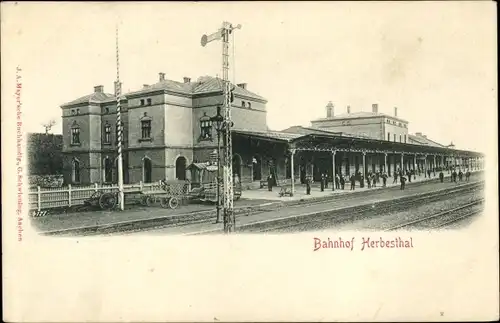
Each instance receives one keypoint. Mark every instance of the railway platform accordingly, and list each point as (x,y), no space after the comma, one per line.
(335,203)
(253,203)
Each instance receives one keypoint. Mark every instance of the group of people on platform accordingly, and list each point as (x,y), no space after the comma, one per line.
(373,179)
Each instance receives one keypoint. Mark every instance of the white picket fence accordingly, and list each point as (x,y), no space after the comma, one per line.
(46,198)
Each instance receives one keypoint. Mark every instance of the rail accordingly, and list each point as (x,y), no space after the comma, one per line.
(440,215)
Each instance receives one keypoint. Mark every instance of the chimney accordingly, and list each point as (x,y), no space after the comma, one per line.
(98,89)
(243,86)
(162,77)
(187,79)
(375,107)
(348,109)
(395,111)
(118,86)
(329,109)
(145,86)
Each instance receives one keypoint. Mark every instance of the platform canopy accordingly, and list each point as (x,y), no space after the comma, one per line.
(327,142)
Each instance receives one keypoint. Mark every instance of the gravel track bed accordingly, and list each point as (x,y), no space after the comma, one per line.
(381,218)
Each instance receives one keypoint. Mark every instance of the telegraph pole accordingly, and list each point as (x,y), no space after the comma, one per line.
(118,91)
(223,33)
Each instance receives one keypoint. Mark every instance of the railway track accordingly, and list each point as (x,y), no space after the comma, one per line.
(203,217)
(444,218)
(310,222)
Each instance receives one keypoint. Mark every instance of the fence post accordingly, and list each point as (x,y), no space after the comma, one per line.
(141,186)
(69,195)
(39,198)
(96,187)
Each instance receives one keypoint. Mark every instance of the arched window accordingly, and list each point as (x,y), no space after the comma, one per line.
(249,105)
(237,165)
(147,170)
(107,133)
(180,168)
(108,170)
(75,174)
(243,104)
(75,134)
(205,127)
(257,168)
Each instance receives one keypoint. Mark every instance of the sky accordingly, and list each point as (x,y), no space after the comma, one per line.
(435,61)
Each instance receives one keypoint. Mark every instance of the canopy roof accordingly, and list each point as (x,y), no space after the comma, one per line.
(340,142)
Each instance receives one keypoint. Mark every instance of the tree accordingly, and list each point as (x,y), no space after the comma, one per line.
(45,154)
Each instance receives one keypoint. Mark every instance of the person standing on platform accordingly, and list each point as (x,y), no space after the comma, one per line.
(353,182)
(374,180)
(460,175)
(270,182)
(342,181)
(369,181)
(337,181)
(361,181)
(403,180)
(408,174)
(441,176)
(429,173)
(395,181)
(467,175)
(308,186)
(322,182)
(454,176)
(384,179)
(326,181)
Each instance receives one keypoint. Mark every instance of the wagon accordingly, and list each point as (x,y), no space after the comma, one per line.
(103,200)
(204,183)
(163,194)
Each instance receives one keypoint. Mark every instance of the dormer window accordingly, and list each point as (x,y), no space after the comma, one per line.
(149,101)
(142,101)
(242,104)
(107,110)
(205,127)
(249,105)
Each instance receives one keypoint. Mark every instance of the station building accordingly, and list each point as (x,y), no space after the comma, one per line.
(167,134)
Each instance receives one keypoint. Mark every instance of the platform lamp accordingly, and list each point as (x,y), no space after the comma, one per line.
(218,122)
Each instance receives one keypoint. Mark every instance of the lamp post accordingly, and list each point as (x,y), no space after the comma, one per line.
(218,122)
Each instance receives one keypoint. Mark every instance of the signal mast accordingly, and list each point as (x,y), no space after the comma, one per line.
(118,91)
(228,194)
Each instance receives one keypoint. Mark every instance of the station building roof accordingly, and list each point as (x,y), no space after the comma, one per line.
(96,97)
(424,141)
(359,115)
(204,85)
